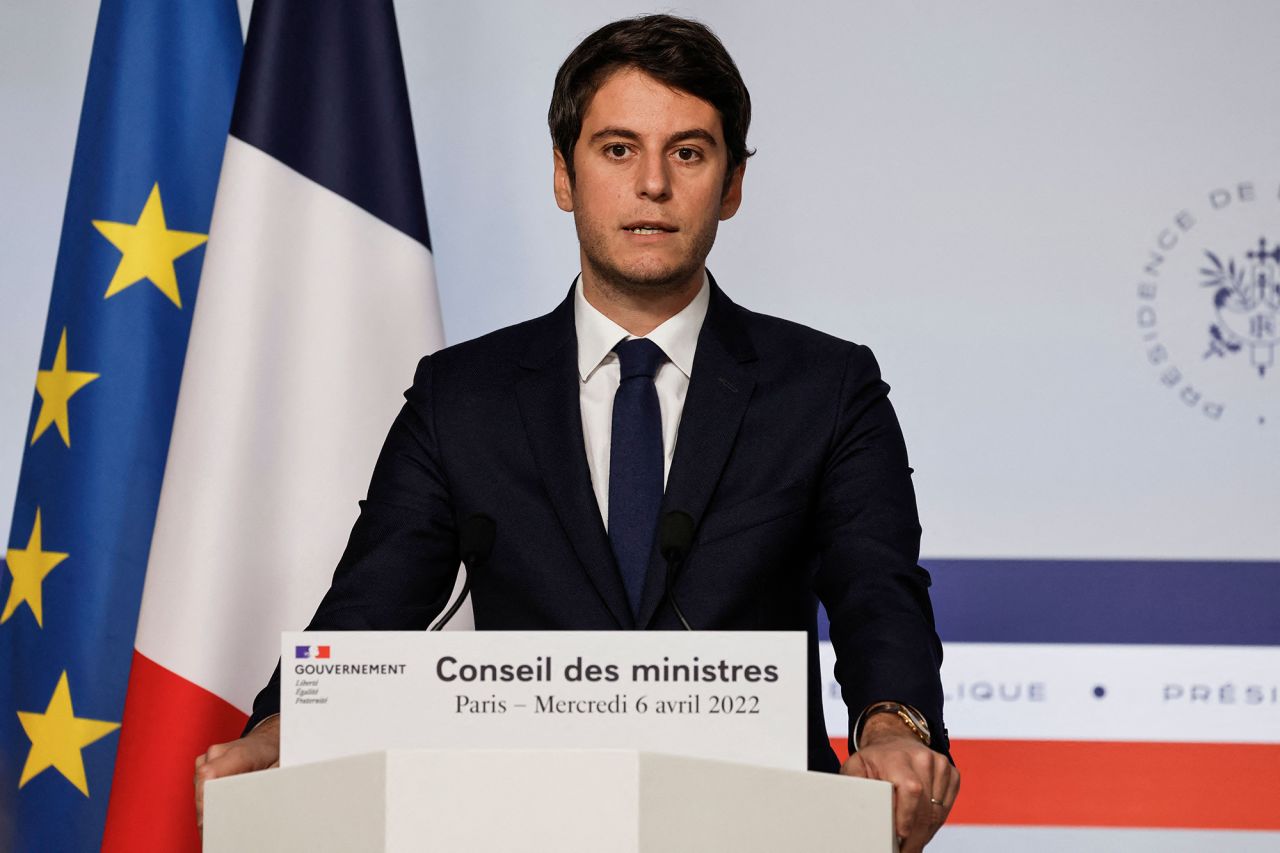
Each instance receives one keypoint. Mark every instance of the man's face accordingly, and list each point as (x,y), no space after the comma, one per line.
(649,187)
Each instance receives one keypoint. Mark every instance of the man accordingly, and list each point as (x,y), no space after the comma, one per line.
(647,391)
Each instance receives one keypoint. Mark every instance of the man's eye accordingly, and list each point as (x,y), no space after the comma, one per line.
(617,151)
(686,154)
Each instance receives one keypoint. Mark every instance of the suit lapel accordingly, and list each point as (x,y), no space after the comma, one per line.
(719,391)
(549,406)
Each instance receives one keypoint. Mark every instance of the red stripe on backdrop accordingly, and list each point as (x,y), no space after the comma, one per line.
(1107,783)
(168,721)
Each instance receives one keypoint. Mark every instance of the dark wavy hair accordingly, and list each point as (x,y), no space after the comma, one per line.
(682,53)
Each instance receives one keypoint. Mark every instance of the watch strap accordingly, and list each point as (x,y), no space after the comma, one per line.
(912,718)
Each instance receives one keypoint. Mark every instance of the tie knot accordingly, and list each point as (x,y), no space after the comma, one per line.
(639,357)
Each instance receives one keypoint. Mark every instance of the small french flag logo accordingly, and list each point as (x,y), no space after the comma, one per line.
(310,652)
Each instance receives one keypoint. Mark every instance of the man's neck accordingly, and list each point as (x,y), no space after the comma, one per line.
(639,313)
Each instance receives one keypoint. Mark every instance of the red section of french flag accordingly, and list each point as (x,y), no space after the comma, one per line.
(322,651)
(1113,783)
(168,721)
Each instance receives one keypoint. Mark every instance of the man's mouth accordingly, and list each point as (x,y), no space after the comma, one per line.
(649,228)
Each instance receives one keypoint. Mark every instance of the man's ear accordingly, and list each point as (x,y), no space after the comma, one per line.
(732,198)
(561,183)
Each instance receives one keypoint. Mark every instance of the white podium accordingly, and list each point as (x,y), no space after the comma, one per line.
(566,801)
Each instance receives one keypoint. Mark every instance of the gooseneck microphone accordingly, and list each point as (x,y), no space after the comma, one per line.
(675,538)
(475,542)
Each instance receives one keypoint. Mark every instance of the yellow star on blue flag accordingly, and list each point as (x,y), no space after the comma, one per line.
(58,735)
(148,249)
(28,568)
(56,386)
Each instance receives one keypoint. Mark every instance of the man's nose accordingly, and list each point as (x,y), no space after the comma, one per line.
(653,180)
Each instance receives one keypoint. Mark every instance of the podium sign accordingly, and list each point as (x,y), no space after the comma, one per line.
(730,695)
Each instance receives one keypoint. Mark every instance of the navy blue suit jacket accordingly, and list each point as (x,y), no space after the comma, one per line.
(789,458)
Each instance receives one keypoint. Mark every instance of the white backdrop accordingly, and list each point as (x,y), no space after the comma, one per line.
(971,189)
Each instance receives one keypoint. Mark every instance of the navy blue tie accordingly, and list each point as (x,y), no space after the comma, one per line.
(635,463)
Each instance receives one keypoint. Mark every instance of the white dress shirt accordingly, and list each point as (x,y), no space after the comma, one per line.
(598,375)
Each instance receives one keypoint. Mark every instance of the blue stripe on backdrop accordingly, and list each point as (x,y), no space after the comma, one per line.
(361,88)
(1163,602)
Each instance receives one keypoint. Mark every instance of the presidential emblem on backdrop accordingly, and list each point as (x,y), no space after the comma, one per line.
(1246,299)
(1208,312)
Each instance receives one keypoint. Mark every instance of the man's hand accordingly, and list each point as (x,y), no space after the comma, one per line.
(258,750)
(925,784)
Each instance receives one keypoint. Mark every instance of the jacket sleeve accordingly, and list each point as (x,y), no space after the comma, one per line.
(401,559)
(875,593)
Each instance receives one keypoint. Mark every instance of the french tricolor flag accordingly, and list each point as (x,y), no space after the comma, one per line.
(319,652)
(316,302)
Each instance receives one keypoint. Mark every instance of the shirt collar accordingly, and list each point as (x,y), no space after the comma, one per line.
(677,336)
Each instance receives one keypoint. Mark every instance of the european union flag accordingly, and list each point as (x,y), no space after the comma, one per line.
(157,106)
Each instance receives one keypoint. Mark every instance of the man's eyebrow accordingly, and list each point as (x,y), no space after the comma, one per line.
(692,133)
(605,132)
(623,133)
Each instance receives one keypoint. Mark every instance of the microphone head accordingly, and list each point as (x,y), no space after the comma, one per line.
(675,535)
(475,538)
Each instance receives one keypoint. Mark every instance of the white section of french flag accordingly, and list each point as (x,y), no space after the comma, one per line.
(311,318)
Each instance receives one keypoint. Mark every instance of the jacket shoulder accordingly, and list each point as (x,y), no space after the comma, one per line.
(779,340)
(494,356)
